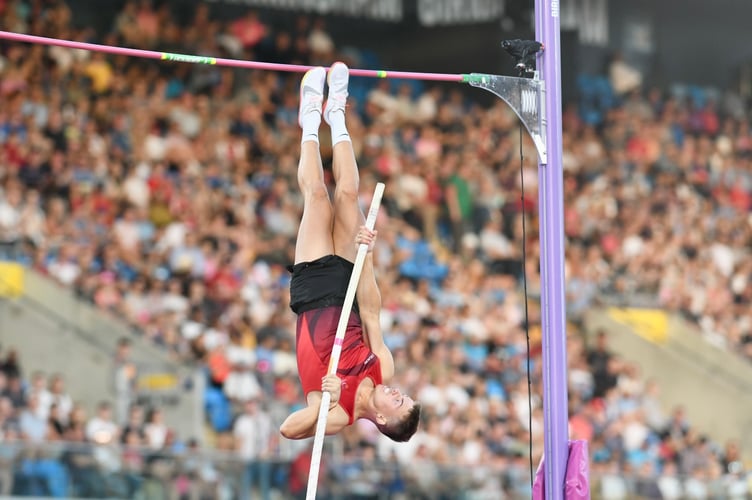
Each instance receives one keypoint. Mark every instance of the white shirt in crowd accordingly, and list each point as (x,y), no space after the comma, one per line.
(65,272)
(47,399)
(156,435)
(241,385)
(670,487)
(253,433)
(10,219)
(191,329)
(101,431)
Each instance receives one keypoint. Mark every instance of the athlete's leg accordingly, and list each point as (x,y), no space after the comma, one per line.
(315,231)
(348,216)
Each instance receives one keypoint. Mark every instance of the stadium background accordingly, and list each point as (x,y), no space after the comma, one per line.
(665,404)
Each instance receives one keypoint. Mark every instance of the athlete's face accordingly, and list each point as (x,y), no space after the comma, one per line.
(391,403)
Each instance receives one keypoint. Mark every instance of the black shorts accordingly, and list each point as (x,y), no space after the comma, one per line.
(320,283)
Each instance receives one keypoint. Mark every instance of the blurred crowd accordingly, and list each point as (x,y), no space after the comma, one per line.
(166,194)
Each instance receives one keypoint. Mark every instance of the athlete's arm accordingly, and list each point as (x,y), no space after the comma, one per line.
(302,423)
(369,304)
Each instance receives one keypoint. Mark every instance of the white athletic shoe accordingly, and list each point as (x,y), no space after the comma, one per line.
(311,92)
(337,79)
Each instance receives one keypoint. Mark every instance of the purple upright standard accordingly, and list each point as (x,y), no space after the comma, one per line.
(553,312)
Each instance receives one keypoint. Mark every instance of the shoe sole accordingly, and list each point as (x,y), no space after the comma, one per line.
(328,84)
(302,86)
(329,73)
(303,82)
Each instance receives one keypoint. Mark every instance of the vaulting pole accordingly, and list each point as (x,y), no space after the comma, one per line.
(352,288)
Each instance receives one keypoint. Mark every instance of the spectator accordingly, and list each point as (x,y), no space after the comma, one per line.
(101,429)
(59,397)
(132,461)
(624,77)
(39,390)
(599,358)
(76,428)
(695,486)
(241,383)
(55,427)
(125,378)
(80,461)
(134,426)
(8,417)
(10,220)
(299,472)
(32,426)
(249,30)
(7,456)
(10,365)
(15,392)
(669,484)
(254,436)
(202,471)
(155,430)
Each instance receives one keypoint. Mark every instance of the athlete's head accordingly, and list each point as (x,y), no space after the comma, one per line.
(397,415)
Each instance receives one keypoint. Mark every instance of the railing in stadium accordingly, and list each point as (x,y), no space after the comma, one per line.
(82,470)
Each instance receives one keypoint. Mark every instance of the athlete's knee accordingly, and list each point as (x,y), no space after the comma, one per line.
(347,193)
(314,191)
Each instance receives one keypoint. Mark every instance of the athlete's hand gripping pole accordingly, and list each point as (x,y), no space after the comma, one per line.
(352,287)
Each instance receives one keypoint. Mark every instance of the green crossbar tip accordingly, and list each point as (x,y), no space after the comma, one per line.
(474,78)
(167,56)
